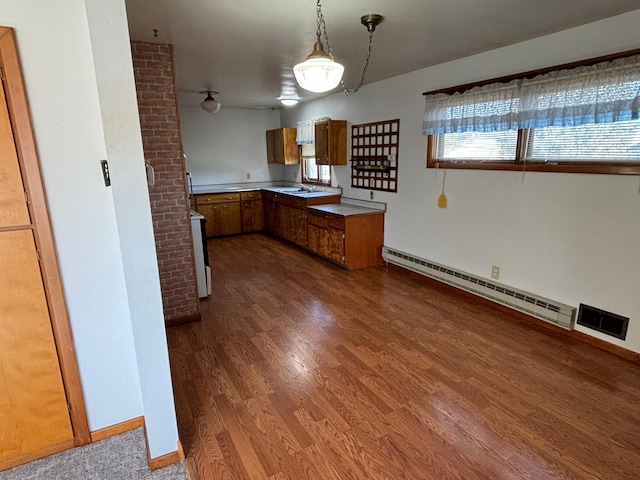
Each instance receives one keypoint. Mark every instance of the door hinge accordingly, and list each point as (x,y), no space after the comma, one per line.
(1,72)
(343,259)
(38,254)
(343,236)
(69,407)
(26,197)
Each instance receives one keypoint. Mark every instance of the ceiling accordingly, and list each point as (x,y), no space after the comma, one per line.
(245,49)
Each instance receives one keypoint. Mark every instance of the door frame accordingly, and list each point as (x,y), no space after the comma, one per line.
(30,167)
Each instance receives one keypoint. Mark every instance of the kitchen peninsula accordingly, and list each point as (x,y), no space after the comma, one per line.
(345,231)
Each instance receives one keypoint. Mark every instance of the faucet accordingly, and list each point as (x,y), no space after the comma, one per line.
(307,188)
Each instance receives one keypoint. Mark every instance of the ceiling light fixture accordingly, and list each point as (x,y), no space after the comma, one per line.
(288,102)
(320,73)
(210,104)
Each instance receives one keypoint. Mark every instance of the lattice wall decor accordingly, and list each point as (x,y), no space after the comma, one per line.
(374,155)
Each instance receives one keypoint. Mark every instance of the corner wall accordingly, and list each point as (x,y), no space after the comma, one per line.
(116,88)
(162,143)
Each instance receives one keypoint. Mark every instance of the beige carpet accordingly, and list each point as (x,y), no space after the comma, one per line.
(123,457)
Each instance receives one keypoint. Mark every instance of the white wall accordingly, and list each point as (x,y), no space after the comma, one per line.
(573,238)
(116,88)
(223,147)
(93,231)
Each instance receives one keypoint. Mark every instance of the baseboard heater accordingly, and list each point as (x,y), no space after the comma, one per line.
(529,303)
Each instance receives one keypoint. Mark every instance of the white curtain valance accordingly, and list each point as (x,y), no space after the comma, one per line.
(487,108)
(305,132)
(601,93)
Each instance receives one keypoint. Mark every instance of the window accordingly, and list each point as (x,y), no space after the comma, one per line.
(311,172)
(477,146)
(584,119)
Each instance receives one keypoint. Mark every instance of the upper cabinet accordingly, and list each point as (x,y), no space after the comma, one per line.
(282,147)
(331,142)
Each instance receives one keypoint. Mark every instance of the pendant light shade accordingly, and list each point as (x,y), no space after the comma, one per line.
(319,73)
(210,104)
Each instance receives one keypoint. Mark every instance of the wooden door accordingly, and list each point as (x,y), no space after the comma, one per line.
(34,415)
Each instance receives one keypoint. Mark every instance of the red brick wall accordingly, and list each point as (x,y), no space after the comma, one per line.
(162,142)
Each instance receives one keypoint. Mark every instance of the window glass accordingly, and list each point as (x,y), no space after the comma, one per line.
(616,142)
(479,146)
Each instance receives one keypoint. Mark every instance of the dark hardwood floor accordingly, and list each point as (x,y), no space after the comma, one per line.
(302,370)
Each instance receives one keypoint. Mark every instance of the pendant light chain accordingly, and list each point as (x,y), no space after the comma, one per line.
(351,91)
(322,24)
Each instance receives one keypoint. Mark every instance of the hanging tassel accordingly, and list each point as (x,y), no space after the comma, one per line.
(442,199)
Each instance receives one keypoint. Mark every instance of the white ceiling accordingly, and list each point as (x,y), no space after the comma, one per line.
(246,49)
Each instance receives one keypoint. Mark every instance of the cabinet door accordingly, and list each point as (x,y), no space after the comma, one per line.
(318,240)
(271,146)
(252,216)
(331,142)
(209,212)
(291,152)
(278,142)
(230,218)
(270,216)
(300,227)
(336,245)
(285,222)
(322,143)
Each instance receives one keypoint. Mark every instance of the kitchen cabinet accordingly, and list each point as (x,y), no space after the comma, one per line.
(222,212)
(286,215)
(354,241)
(252,211)
(270,206)
(331,142)
(282,147)
(292,218)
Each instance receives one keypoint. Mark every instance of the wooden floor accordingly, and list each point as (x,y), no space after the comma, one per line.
(302,370)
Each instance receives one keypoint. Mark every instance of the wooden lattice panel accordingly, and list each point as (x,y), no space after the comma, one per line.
(374,155)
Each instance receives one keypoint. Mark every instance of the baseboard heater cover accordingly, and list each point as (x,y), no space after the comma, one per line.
(539,307)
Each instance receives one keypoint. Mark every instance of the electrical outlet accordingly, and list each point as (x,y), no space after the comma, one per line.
(371,195)
(495,272)
(248,175)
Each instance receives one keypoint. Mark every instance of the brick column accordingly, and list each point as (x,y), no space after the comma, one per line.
(162,142)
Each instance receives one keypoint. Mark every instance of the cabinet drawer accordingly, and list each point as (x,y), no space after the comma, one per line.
(326,220)
(251,195)
(336,222)
(217,198)
(318,220)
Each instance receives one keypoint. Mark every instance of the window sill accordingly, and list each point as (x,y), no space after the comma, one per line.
(613,169)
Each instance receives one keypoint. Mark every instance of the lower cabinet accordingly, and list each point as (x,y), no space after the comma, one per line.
(353,241)
(222,212)
(252,212)
(270,209)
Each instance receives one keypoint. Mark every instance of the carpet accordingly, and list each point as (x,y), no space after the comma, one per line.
(122,457)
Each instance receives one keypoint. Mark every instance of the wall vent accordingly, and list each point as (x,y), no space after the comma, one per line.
(531,304)
(605,322)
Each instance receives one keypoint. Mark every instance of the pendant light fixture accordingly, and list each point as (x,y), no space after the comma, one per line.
(210,104)
(320,73)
